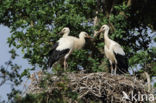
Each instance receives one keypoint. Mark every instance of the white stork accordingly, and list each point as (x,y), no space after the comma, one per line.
(77,43)
(64,47)
(114,52)
(65,31)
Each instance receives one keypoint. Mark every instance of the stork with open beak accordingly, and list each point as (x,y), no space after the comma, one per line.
(114,52)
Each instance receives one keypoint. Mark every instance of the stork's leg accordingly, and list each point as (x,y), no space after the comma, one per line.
(65,64)
(65,59)
(111,67)
(115,69)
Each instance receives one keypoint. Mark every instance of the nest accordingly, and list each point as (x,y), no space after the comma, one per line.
(91,86)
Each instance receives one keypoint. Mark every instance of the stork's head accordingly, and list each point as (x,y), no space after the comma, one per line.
(84,35)
(65,30)
(102,29)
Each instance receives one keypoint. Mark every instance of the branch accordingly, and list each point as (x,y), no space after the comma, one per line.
(129,3)
(96,85)
(148,81)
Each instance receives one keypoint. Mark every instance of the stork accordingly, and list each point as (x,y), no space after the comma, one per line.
(77,43)
(114,52)
(64,47)
(65,31)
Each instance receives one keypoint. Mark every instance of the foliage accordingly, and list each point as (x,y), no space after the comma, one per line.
(34,26)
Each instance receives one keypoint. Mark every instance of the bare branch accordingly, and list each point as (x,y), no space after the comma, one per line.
(95,84)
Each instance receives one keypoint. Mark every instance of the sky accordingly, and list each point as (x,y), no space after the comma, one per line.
(5,56)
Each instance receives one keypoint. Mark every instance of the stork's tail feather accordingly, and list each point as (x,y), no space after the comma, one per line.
(56,55)
(122,64)
(50,62)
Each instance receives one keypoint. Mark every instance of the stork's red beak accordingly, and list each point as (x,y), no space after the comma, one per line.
(60,33)
(97,32)
(89,37)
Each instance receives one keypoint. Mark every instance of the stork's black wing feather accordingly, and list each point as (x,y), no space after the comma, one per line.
(122,63)
(55,55)
(53,48)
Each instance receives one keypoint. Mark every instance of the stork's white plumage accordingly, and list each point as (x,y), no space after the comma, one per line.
(78,42)
(61,49)
(64,47)
(114,53)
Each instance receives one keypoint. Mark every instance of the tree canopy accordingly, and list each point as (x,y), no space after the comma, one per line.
(35,24)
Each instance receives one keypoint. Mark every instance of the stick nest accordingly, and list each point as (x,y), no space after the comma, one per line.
(91,86)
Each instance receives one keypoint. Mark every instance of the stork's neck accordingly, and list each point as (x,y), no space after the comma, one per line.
(81,42)
(65,34)
(106,34)
(106,38)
